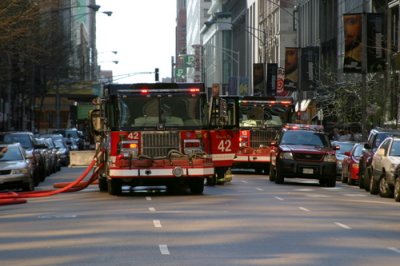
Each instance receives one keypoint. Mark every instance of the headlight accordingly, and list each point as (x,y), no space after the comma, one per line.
(286,155)
(19,171)
(330,158)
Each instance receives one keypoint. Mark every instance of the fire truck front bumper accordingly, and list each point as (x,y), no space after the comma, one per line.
(165,172)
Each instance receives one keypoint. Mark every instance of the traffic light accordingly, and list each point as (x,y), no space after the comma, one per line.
(156,74)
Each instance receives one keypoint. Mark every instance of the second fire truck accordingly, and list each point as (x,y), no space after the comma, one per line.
(261,119)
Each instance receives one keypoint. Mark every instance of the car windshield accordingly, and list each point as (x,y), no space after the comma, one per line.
(311,138)
(21,138)
(11,154)
(358,151)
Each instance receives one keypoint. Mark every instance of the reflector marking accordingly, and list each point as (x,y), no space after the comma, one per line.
(157,223)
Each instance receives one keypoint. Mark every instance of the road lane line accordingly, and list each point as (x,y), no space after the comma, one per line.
(152,209)
(394,249)
(259,189)
(148,198)
(342,225)
(157,223)
(244,181)
(278,198)
(304,209)
(164,249)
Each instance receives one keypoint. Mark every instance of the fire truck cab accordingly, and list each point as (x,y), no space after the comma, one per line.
(260,120)
(158,134)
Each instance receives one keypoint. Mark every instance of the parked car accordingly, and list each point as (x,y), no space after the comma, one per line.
(344,146)
(375,138)
(350,164)
(62,148)
(303,151)
(45,156)
(74,138)
(16,168)
(27,141)
(383,165)
(53,152)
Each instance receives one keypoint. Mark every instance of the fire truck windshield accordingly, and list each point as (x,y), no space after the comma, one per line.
(161,111)
(262,114)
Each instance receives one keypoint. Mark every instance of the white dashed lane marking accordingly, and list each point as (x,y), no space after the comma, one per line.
(278,198)
(148,198)
(394,249)
(151,209)
(304,209)
(157,223)
(164,249)
(342,225)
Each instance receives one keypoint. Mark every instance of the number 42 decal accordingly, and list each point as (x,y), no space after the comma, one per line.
(225,145)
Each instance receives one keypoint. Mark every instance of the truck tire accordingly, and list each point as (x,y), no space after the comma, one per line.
(196,186)
(103,186)
(114,187)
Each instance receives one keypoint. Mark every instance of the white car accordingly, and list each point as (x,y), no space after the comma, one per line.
(16,170)
(384,163)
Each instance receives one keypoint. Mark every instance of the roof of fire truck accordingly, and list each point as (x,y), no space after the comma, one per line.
(154,87)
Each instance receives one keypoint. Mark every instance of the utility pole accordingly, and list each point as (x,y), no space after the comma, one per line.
(364,73)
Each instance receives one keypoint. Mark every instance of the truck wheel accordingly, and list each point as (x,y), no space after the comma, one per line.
(397,189)
(196,186)
(114,187)
(103,186)
(331,181)
(212,180)
(220,175)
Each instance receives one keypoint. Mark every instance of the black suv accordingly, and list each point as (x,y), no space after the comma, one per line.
(303,151)
(375,137)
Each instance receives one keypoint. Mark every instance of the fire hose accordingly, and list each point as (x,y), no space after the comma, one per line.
(8,198)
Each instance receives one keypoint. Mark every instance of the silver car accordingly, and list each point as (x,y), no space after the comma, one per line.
(16,170)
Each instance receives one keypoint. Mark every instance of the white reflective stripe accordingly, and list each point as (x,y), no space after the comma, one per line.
(224,156)
(259,158)
(200,171)
(124,172)
(151,172)
(241,159)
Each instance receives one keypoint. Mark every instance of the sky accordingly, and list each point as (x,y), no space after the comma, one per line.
(143,34)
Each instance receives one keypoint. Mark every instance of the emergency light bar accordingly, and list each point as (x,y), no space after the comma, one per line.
(147,91)
(291,126)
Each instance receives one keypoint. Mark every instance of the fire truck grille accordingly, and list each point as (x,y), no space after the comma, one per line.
(262,137)
(159,143)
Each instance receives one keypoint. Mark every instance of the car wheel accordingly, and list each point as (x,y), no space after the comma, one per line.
(397,189)
(385,191)
(373,186)
(29,186)
(272,174)
(103,186)
(343,178)
(279,179)
(367,179)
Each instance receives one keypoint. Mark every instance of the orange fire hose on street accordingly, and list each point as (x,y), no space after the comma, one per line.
(8,198)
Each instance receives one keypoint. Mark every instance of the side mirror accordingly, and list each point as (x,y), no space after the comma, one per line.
(96,122)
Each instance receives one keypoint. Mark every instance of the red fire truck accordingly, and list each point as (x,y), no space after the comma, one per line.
(261,118)
(163,134)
